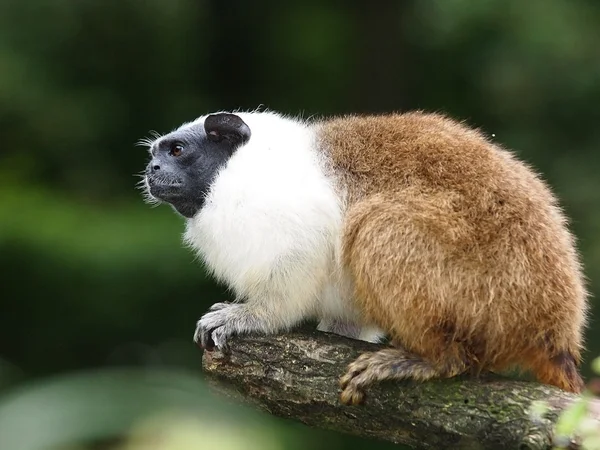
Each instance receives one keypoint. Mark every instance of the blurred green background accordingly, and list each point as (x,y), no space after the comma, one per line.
(94,280)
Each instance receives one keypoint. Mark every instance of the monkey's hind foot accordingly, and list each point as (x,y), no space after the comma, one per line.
(387,364)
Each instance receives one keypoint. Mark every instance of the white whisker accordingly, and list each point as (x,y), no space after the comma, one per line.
(149,141)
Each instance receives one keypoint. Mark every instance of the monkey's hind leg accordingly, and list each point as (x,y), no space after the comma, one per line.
(392,364)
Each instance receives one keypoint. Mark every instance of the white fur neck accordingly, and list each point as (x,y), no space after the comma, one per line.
(271,226)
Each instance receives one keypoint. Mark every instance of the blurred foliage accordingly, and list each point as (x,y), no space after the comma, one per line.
(577,423)
(93,278)
(110,407)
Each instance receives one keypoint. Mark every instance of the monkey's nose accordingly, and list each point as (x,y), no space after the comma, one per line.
(153,167)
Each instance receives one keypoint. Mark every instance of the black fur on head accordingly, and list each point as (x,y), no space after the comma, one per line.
(185,162)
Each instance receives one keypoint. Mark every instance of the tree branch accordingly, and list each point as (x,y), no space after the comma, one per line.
(296,376)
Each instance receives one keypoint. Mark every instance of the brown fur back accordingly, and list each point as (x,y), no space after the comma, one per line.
(457,249)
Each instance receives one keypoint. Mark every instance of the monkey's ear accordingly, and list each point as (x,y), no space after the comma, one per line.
(224,126)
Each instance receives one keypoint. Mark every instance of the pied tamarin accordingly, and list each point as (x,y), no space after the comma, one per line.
(412,226)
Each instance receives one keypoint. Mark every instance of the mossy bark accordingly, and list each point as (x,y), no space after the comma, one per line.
(296,376)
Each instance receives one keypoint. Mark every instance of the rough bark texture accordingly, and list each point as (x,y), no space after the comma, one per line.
(296,376)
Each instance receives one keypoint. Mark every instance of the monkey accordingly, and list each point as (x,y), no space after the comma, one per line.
(410,225)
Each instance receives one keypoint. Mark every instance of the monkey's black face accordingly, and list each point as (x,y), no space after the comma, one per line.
(185,162)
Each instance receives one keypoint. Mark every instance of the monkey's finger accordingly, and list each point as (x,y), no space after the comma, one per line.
(354,369)
(352,395)
(206,340)
(219,338)
(197,334)
(219,306)
(202,337)
(209,344)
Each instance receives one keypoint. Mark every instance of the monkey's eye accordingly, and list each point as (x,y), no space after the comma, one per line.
(176,150)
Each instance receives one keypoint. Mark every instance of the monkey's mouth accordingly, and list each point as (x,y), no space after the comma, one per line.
(164,188)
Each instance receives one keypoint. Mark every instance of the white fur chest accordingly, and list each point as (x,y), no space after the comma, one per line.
(271,225)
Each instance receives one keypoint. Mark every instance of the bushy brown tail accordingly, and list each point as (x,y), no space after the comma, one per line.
(560,371)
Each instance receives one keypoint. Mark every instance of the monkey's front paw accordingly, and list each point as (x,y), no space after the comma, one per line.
(213,329)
